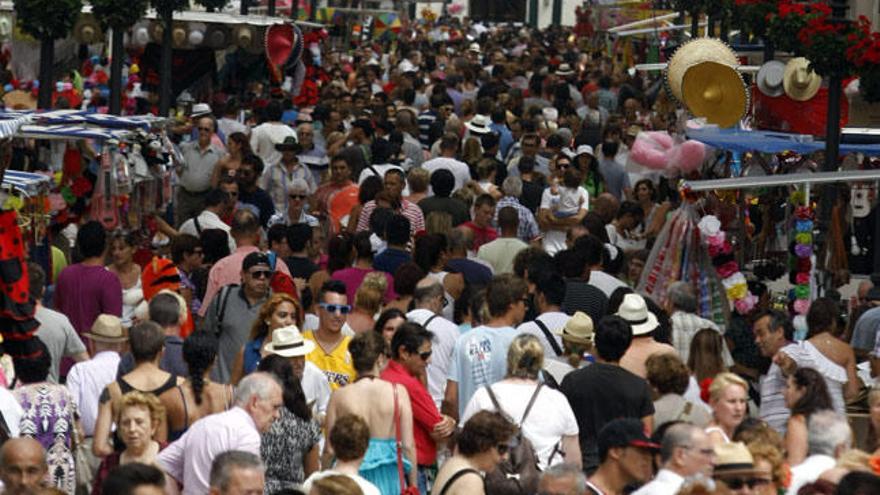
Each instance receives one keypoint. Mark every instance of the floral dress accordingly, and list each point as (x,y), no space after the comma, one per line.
(49,418)
(284,448)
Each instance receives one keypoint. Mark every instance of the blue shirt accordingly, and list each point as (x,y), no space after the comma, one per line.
(616,178)
(251,355)
(865,330)
(390,259)
(479,359)
(506,137)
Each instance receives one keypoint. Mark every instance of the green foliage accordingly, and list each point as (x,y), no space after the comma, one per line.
(47,19)
(213,4)
(164,6)
(119,14)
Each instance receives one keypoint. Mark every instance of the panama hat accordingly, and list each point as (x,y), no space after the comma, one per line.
(479,125)
(733,458)
(634,310)
(107,328)
(289,342)
(800,83)
(769,78)
(86,30)
(247,39)
(578,329)
(694,52)
(715,91)
(564,70)
(178,36)
(200,109)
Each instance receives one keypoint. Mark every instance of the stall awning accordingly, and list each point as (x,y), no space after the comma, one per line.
(27,182)
(770,142)
(79,117)
(72,132)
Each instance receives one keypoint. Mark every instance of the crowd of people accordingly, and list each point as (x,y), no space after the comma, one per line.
(426,282)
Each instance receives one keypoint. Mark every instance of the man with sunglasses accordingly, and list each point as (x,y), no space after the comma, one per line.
(280,176)
(735,469)
(199,159)
(331,349)
(685,451)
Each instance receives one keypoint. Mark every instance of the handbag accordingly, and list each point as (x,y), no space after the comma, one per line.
(404,490)
(82,466)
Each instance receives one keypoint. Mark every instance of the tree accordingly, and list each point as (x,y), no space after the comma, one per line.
(118,15)
(47,21)
(166,9)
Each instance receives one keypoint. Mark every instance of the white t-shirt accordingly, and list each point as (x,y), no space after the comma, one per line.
(315,388)
(550,419)
(572,199)
(366,487)
(459,170)
(554,240)
(554,320)
(382,169)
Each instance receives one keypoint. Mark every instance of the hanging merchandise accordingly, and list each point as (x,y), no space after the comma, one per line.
(802,251)
(720,250)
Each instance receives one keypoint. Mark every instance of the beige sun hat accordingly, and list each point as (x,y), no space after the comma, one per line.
(692,53)
(289,342)
(715,91)
(578,329)
(800,83)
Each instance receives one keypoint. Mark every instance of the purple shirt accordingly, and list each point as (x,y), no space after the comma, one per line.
(83,292)
(353,278)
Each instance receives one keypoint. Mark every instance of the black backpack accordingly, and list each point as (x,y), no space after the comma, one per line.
(519,473)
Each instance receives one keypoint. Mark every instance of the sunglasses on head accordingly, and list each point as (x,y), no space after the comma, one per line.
(738,483)
(332,308)
(258,274)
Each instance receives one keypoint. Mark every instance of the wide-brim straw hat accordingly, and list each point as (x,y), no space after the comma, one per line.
(694,52)
(19,100)
(107,328)
(87,31)
(289,342)
(769,78)
(734,459)
(800,83)
(715,91)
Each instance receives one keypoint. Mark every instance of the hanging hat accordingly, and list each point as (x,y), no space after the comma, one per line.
(769,78)
(107,328)
(694,52)
(280,39)
(479,125)
(578,329)
(196,35)
(289,342)
(140,35)
(217,36)
(715,91)
(800,83)
(19,100)
(86,30)
(564,70)
(178,36)
(156,31)
(5,27)
(247,39)
(634,310)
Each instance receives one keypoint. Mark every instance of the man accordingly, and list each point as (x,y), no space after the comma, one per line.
(397,235)
(476,272)
(533,185)
(735,470)
(773,332)
(218,204)
(168,310)
(299,239)
(411,352)
(24,468)
(606,206)
(580,295)
(865,330)
(500,252)
(246,233)
(394,183)
(55,329)
(563,479)
(236,472)
(433,120)
(407,124)
(500,129)
(194,176)
(479,357)
(684,452)
(512,188)
(231,314)
(449,146)
(616,178)
(272,131)
(257,403)
(604,390)
(331,349)
(442,184)
(634,310)
(629,216)
(249,193)
(531,144)
(278,177)
(428,300)
(548,326)
(681,303)
(828,437)
(229,123)
(289,343)
(593,249)
(276,238)
(86,380)
(311,154)
(360,135)
(481,225)
(86,289)
(380,153)
(188,256)
(135,478)
(625,455)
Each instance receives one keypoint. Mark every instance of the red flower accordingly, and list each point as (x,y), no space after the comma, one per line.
(704,389)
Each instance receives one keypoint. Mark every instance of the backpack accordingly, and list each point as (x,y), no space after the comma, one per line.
(518,474)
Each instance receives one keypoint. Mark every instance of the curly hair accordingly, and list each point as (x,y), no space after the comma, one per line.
(260,329)
(773,455)
(140,399)
(483,431)
(349,437)
(199,353)
(667,374)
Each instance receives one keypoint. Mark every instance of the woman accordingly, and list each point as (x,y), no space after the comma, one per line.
(472,152)
(704,360)
(198,396)
(727,397)
(668,376)
(290,447)
(486,170)
(139,416)
(550,424)
(349,438)
(49,416)
(280,310)
(481,445)
(146,340)
(584,160)
(805,393)
(654,213)
(335,484)
(238,146)
(431,255)
(438,222)
(122,249)
(354,275)
(370,187)
(405,279)
(367,302)
(770,463)
(387,324)
(382,405)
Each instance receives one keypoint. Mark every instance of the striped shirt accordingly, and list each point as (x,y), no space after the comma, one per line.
(426,120)
(410,210)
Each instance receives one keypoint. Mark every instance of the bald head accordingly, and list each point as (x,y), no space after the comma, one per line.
(24,465)
(429,295)
(606,206)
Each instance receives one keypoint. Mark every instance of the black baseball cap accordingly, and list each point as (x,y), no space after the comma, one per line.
(255,259)
(624,432)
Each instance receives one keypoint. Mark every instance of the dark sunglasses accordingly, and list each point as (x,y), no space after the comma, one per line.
(332,308)
(206,129)
(258,274)
(425,355)
(738,483)
(296,196)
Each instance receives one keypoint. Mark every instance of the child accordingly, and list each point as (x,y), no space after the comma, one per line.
(568,197)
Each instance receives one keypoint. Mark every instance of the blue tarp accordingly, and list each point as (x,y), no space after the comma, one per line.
(770,142)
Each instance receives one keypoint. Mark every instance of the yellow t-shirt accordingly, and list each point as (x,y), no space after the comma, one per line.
(337,365)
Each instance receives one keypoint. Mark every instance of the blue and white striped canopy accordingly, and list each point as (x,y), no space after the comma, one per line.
(28,182)
(72,132)
(73,117)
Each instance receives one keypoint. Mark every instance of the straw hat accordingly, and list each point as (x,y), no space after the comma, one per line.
(634,310)
(156,31)
(800,83)
(733,458)
(564,70)
(247,39)
(715,91)
(769,78)
(289,342)
(694,52)
(107,328)
(86,30)
(578,329)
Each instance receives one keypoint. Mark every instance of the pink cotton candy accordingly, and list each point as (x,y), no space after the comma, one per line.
(650,150)
(687,156)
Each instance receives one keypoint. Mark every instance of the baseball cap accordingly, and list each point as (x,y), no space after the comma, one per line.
(255,259)
(624,432)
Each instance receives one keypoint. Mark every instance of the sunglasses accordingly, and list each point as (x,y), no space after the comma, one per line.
(258,274)
(332,308)
(206,129)
(738,483)
(296,196)
(425,355)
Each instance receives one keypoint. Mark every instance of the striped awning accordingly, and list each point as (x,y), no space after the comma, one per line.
(28,182)
(36,131)
(73,117)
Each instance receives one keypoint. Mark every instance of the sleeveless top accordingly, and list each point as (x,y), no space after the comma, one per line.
(125,387)
(175,434)
(449,301)
(834,374)
(718,429)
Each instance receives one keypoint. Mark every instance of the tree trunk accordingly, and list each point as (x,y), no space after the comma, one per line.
(47,79)
(165,70)
(117,50)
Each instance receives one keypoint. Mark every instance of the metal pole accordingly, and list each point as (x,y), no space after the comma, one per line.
(695,23)
(271,10)
(116,71)
(245,6)
(47,83)
(165,66)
